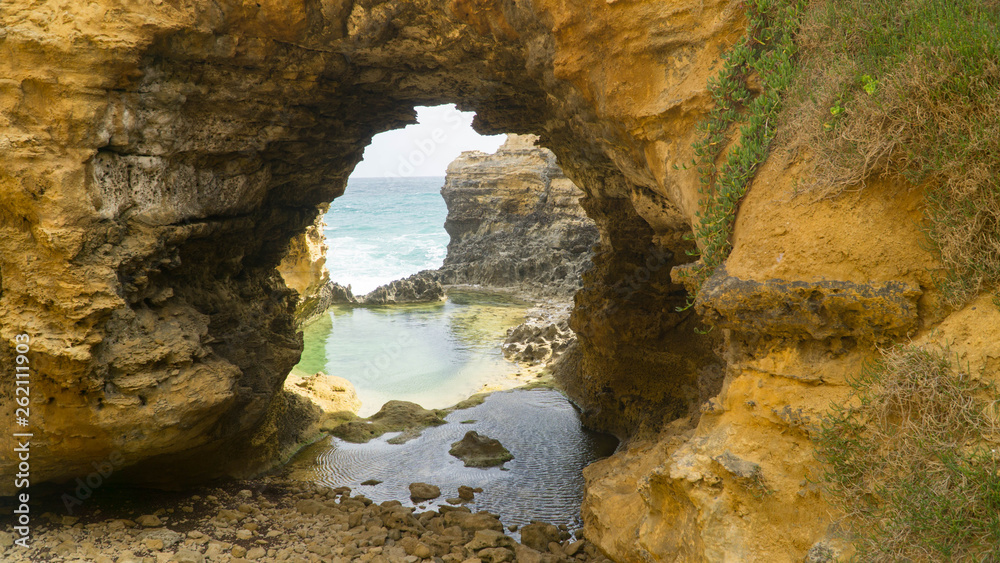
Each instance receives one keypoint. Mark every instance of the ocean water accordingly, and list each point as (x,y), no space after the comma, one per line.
(435,355)
(384,229)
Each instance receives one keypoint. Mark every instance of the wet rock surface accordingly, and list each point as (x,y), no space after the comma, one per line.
(543,481)
(394,416)
(414,289)
(480,451)
(538,341)
(424,491)
(273,519)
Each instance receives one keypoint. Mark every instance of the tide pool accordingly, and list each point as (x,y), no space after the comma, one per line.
(435,355)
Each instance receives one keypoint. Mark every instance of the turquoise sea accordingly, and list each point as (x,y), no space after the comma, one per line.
(384,229)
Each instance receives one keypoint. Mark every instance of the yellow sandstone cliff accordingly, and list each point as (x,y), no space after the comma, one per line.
(157,158)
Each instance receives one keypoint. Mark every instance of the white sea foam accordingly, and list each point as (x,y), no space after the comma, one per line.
(385,229)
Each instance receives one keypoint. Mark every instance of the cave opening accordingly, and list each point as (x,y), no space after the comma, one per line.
(515,232)
(385,240)
(159,158)
(389,224)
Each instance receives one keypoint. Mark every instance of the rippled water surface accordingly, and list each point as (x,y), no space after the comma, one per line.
(544,481)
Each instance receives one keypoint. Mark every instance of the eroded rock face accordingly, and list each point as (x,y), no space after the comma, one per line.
(158,158)
(515,221)
(156,165)
(414,289)
(537,342)
(304,269)
(330,393)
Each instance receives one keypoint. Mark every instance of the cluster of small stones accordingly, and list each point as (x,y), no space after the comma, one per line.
(301,523)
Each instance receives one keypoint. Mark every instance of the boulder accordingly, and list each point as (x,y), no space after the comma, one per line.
(467,493)
(418,288)
(480,451)
(394,416)
(538,536)
(423,491)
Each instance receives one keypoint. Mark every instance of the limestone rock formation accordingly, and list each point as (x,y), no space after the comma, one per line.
(538,341)
(480,451)
(330,393)
(394,416)
(158,158)
(334,294)
(538,535)
(417,288)
(515,221)
(303,267)
(423,491)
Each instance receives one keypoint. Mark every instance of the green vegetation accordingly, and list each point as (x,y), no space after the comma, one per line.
(909,89)
(898,89)
(744,120)
(912,460)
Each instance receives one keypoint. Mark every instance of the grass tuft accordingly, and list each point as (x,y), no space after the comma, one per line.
(909,89)
(913,460)
(742,123)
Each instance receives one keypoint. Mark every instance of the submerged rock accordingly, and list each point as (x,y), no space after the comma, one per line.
(394,416)
(468,493)
(480,451)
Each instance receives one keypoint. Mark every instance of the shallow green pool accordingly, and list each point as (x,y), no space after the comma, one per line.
(434,355)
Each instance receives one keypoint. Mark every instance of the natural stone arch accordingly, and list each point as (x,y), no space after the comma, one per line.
(161,157)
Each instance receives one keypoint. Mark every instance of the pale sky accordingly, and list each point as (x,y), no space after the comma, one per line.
(427,148)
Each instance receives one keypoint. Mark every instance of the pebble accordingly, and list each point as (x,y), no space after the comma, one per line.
(149,521)
(467,493)
(303,524)
(424,491)
(187,556)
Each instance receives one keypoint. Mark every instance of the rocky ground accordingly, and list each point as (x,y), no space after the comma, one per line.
(275,519)
(542,337)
